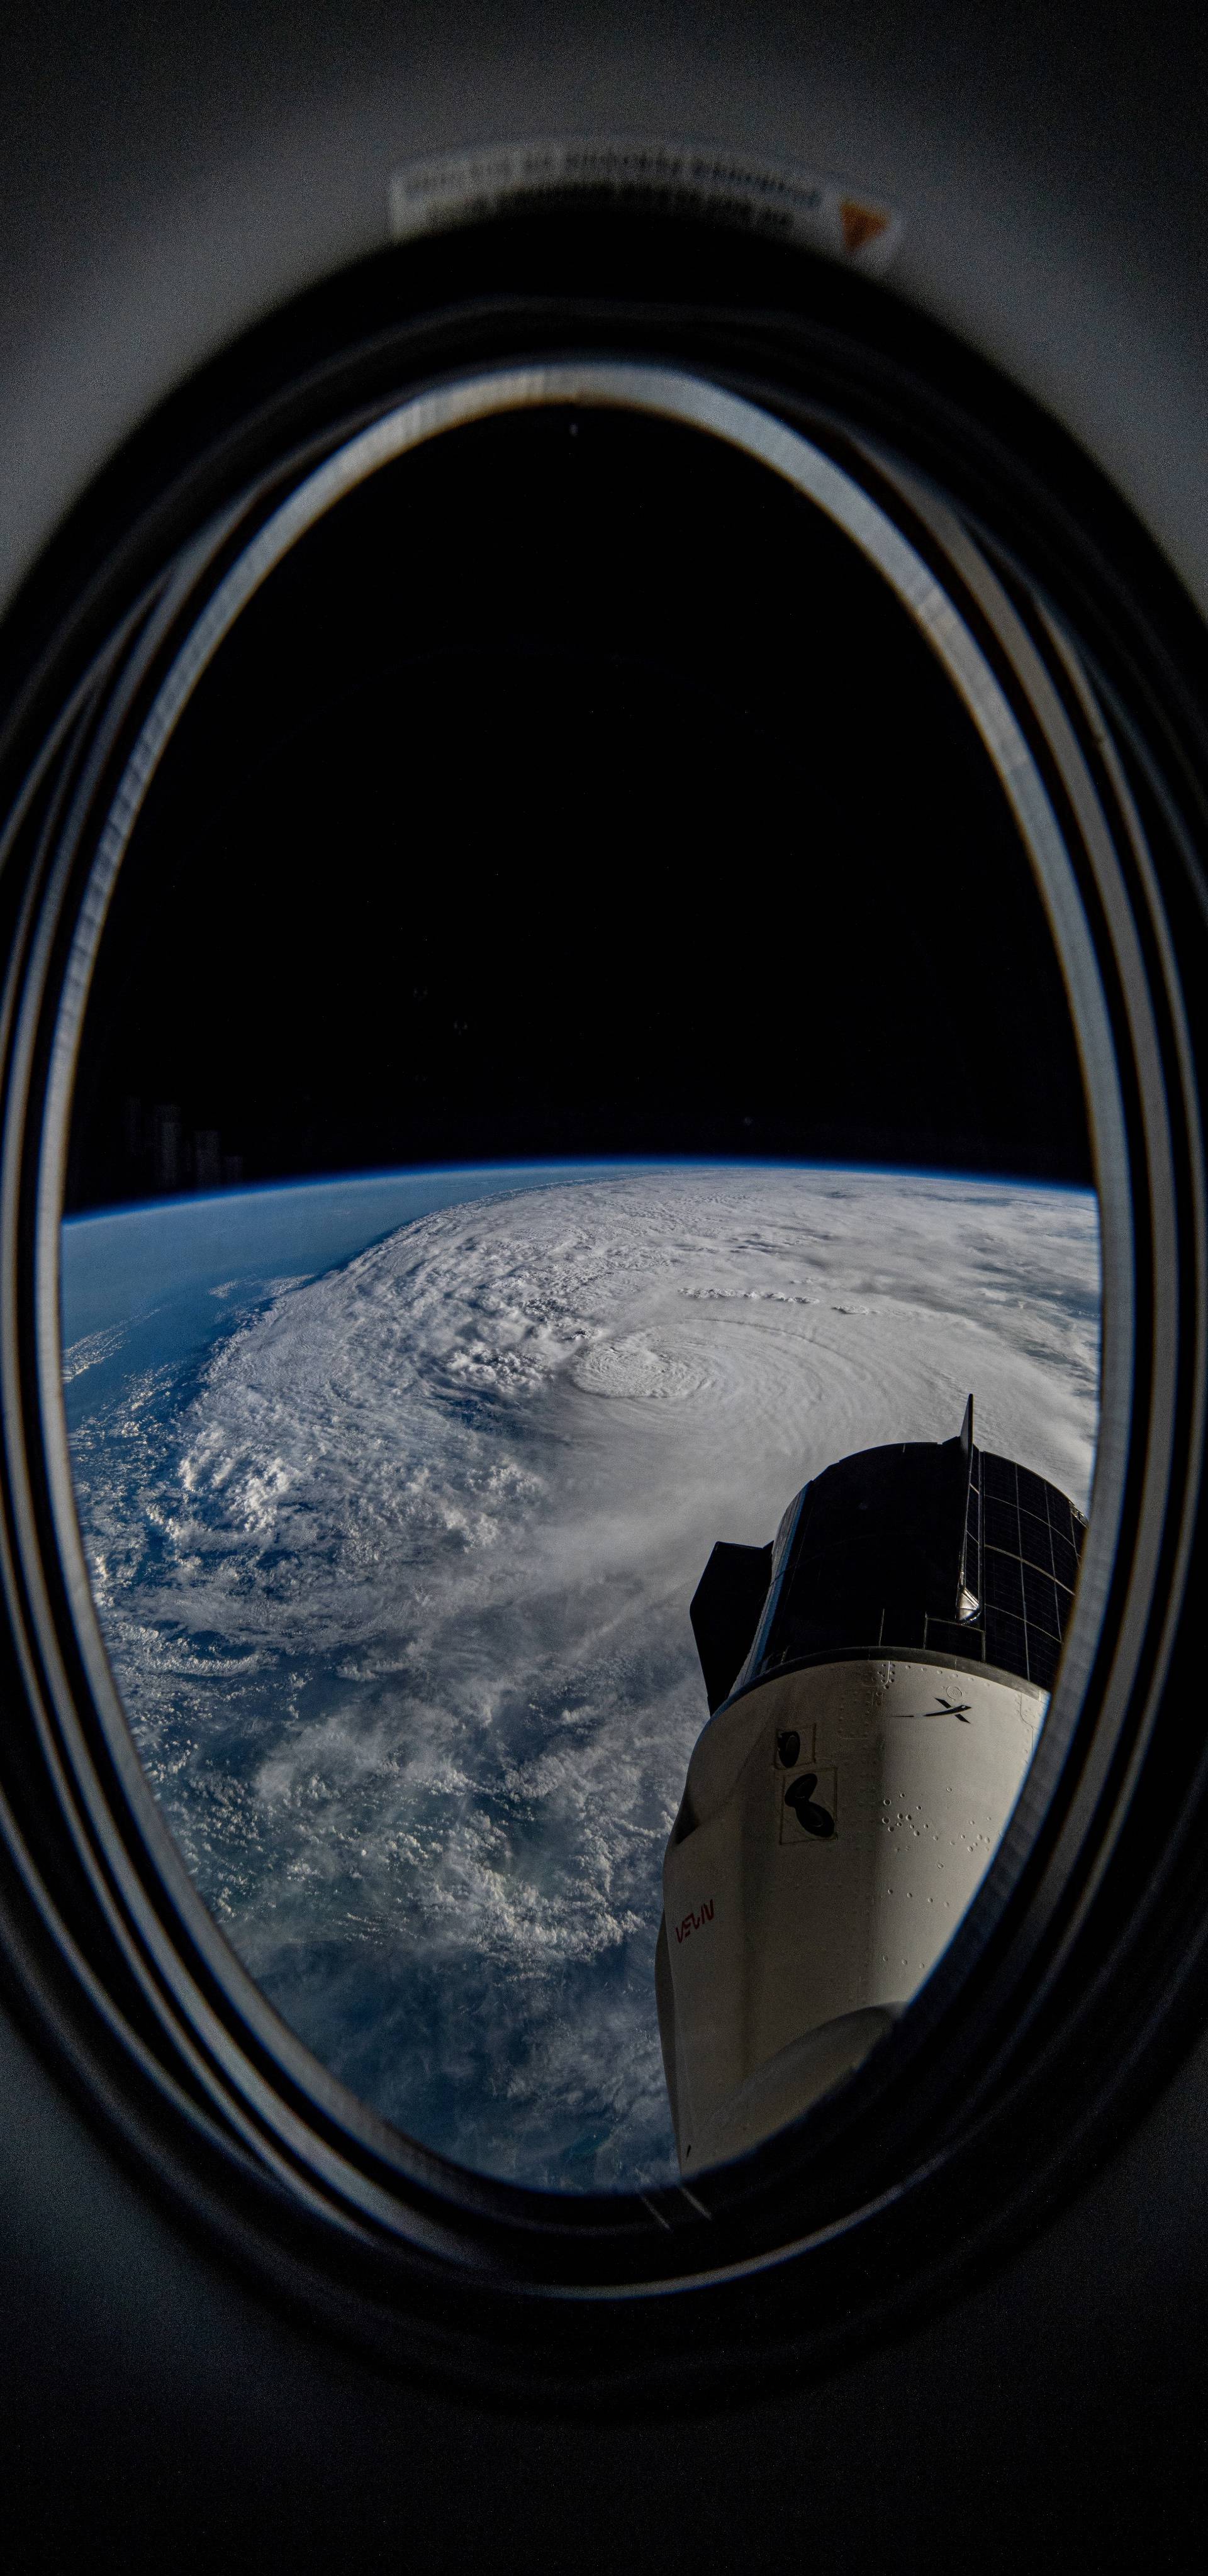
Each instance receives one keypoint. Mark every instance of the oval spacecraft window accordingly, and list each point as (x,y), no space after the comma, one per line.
(580,1266)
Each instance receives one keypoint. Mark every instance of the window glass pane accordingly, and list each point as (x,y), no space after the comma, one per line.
(575,1052)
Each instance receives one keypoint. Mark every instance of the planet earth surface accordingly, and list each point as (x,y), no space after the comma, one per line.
(395,1493)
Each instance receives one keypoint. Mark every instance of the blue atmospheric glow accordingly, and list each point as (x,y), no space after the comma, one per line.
(395,1489)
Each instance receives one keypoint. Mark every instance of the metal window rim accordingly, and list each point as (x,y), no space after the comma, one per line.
(208,2044)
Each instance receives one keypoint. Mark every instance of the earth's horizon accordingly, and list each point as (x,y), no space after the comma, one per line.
(395,1489)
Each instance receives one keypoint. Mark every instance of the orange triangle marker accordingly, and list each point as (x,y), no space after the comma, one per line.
(861,224)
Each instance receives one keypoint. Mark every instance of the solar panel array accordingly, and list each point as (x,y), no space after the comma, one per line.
(884,1538)
(1022,1550)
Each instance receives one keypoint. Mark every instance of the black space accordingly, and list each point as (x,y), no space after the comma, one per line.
(572,789)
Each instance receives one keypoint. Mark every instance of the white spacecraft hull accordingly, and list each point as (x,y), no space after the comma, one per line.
(836,1821)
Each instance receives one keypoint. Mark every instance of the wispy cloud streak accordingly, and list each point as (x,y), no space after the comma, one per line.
(396,1586)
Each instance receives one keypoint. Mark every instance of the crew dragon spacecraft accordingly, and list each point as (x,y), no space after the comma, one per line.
(876,1680)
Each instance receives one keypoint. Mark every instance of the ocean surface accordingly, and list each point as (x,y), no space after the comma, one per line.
(395,1493)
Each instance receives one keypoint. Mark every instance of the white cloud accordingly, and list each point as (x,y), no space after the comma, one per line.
(397,1593)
